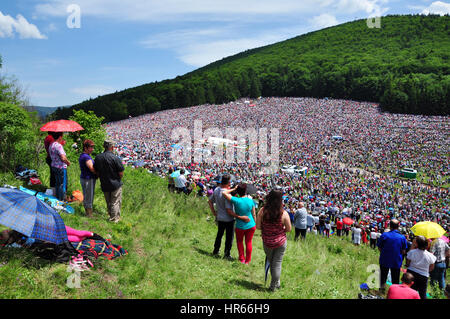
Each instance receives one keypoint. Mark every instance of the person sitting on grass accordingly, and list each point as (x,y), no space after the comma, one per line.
(403,290)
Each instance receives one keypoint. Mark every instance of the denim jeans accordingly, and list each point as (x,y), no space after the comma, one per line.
(438,274)
(275,258)
(60,182)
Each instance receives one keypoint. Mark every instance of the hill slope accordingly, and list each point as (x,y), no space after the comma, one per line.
(404,65)
(169,242)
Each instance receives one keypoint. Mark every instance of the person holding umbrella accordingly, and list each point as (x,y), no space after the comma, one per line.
(59,165)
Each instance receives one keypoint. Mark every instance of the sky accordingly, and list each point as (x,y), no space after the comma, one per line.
(63,52)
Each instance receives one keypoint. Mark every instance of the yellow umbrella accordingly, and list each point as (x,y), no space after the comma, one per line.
(428,230)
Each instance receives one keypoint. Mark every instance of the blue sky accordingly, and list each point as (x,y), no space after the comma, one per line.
(125,43)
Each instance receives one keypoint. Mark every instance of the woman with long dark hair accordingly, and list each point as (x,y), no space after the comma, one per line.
(274,223)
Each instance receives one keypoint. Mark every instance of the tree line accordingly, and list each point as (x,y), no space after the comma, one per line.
(404,66)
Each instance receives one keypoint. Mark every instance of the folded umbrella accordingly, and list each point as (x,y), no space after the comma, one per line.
(30,216)
(251,189)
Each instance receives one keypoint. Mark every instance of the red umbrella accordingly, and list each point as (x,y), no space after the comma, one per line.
(348,221)
(62,126)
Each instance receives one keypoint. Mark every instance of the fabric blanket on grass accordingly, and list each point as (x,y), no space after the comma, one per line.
(96,247)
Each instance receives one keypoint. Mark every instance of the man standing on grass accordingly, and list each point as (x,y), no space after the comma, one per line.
(392,246)
(224,217)
(109,168)
(300,221)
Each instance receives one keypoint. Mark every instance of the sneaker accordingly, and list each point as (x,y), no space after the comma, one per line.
(228,257)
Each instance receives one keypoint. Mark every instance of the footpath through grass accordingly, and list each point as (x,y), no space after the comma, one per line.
(170,238)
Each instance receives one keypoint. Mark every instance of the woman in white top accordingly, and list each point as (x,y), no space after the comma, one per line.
(420,263)
(356,234)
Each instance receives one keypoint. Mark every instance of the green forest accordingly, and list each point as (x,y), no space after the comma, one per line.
(404,66)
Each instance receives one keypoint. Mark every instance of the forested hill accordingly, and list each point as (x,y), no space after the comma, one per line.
(404,65)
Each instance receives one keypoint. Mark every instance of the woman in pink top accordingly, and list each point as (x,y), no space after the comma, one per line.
(274,223)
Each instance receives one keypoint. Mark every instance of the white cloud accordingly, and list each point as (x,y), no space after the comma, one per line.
(323,21)
(201,47)
(92,91)
(10,26)
(437,7)
(372,7)
(157,11)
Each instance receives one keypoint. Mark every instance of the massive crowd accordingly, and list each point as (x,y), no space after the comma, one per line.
(352,153)
(355,176)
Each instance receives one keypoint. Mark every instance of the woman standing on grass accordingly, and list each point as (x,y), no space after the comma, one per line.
(420,263)
(87,176)
(274,223)
(243,207)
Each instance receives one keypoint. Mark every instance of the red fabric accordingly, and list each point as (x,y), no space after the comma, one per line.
(48,140)
(402,292)
(248,234)
(339,225)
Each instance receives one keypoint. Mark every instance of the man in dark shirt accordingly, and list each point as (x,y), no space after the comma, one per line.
(109,168)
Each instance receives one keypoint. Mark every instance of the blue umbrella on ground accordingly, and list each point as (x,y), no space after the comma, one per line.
(31,217)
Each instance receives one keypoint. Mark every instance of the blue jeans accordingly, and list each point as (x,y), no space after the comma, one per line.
(438,274)
(60,182)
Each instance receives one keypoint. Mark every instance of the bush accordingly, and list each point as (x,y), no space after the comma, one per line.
(93,130)
(16,137)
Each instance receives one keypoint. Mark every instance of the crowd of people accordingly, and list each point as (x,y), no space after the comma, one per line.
(352,177)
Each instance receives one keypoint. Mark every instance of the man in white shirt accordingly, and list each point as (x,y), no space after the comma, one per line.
(180,182)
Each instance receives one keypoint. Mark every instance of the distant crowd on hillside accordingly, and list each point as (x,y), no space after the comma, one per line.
(352,154)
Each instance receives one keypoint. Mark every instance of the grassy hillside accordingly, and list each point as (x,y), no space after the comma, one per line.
(170,240)
(404,65)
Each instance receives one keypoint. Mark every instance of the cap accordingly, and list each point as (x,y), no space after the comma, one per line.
(108,144)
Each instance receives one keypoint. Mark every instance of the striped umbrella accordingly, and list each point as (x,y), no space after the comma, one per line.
(30,216)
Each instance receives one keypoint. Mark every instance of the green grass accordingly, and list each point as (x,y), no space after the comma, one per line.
(170,239)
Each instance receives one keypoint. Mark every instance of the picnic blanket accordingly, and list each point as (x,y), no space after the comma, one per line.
(98,247)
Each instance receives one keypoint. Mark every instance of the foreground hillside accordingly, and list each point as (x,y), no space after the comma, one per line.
(169,240)
(404,65)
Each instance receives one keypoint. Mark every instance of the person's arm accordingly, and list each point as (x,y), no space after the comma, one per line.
(227,193)
(431,267)
(408,262)
(64,159)
(90,166)
(286,221)
(243,218)
(254,213)
(211,207)
(259,218)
